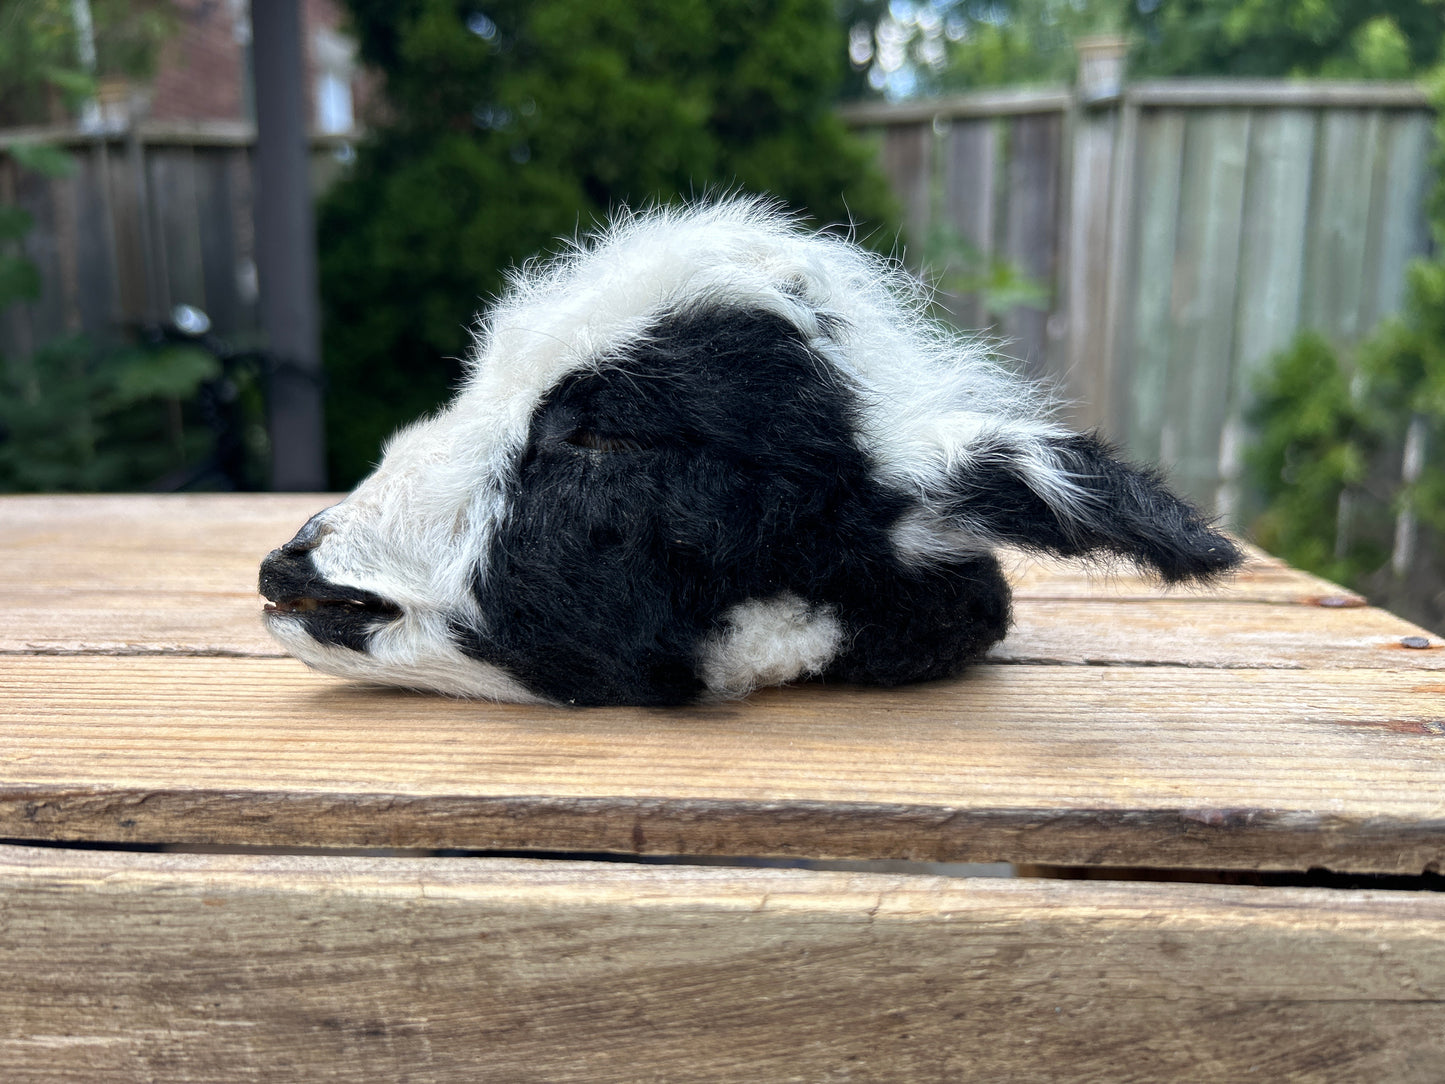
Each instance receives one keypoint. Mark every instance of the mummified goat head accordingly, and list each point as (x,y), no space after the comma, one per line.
(702,452)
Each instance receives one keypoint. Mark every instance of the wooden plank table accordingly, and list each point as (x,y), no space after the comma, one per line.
(1276,725)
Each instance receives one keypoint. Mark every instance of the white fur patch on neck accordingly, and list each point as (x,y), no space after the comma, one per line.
(768,642)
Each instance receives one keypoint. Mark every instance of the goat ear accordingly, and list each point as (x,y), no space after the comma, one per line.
(1073,496)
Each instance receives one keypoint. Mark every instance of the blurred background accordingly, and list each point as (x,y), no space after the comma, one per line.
(240,243)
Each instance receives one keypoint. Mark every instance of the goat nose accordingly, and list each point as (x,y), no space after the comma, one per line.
(288,573)
(308,537)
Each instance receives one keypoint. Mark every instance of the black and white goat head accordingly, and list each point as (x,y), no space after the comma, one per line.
(704,452)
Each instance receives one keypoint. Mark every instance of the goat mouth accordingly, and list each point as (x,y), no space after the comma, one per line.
(359,604)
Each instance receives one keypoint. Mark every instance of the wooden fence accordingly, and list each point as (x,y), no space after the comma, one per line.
(1184,231)
(150,218)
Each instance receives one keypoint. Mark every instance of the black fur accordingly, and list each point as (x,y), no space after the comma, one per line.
(715,464)
(1131,512)
(718,461)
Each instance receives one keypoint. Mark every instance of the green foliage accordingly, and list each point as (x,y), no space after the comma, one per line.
(1378,50)
(1331,448)
(1376,39)
(73,416)
(38,60)
(1315,441)
(72,420)
(41,73)
(129,35)
(19,277)
(76,416)
(518,122)
(42,158)
(958,267)
(920,47)
(1032,43)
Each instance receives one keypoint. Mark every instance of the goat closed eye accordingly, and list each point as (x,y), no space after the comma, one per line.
(602,442)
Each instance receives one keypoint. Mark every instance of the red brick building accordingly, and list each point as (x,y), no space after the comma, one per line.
(204,73)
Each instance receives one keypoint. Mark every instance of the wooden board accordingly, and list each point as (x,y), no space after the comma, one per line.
(1149,766)
(141,574)
(122,967)
(1176,632)
(128,575)
(1272,245)
(219,249)
(1263,579)
(907,161)
(1339,217)
(1085,382)
(171,179)
(1276,723)
(970,197)
(1216,152)
(1400,229)
(95,246)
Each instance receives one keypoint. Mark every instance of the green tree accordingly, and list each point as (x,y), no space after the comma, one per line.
(510,125)
(936,46)
(77,415)
(1023,41)
(42,76)
(1379,39)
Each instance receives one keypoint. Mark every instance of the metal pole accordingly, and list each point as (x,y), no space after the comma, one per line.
(286,248)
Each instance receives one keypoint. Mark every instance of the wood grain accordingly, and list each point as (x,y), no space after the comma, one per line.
(1400,209)
(1067,765)
(1030,228)
(1215,633)
(1202,305)
(1262,579)
(1085,288)
(1274,723)
(1146,344)
(971,166)
(1339,216)
(141,574)
(134,575)
(122,967)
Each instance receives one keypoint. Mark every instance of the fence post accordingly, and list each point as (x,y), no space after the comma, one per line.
(1091,278)
(286,249)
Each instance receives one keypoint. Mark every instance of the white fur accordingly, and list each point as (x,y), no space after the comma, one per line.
(414,530)
(769,642)
(394,659)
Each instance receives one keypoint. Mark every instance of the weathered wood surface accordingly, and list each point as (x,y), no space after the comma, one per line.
(140,574)
(1031,224)
(1065,765)
(122,967)
(1252,728)
(156,574)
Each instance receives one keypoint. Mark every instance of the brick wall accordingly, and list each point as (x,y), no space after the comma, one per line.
(203,71)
